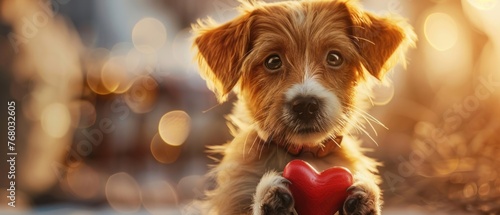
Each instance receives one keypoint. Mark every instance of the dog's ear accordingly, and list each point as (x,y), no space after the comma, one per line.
(221,52)
(381,41)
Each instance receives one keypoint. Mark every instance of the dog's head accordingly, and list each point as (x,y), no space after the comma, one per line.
(297,64)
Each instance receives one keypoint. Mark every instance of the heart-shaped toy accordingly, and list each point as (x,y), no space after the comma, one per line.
(317,193)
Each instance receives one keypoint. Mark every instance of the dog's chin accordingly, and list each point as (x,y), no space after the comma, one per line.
(308,138)
(302,137)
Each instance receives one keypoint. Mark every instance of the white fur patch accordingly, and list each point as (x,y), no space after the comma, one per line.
(311,87)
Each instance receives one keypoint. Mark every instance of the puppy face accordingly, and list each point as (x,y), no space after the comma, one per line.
(296,65)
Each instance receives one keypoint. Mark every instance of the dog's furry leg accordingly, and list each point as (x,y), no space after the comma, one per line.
(364,197)
(272,196)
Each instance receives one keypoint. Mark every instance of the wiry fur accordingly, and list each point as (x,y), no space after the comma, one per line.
(231,58)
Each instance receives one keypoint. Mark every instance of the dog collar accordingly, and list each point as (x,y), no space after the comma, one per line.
(324,149)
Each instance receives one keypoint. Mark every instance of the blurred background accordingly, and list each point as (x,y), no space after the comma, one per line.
(112,116)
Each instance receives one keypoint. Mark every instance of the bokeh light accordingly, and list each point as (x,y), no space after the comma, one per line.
(149,35)
(123,193)
(445,50)
(441,31)
(84,182)
(56,120)
(142,95)
(115,76)
(484,15)
(483,4)
(470,190)
(121,49)
(158,197)
(174,127)
(190,187)
(163,152)
(484,190)
(97,59)
(84,114)
(382,93)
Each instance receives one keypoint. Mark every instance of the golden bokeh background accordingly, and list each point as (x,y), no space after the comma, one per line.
(112,116)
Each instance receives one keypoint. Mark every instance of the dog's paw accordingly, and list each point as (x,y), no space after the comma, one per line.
(273,197)
(362,199)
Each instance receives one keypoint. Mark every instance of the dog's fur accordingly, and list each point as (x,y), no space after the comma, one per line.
(301,33)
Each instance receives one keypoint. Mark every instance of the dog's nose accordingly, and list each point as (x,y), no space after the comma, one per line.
(305,108)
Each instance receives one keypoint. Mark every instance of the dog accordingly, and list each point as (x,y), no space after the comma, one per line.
(296,68)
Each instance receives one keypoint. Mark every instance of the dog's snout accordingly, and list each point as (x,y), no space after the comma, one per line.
(305,108)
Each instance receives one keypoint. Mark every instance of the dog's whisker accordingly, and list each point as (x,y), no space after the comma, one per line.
(366,117)
(364,131)
(253,143)
(245,145)
(369,116)
(360,124)
(333,139)
(369,123)
(265,144)
(211,108)
(260,149)
(366,114)
(255,140)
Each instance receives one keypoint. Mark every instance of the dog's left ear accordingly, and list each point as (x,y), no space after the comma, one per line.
(381,41)
(221,52)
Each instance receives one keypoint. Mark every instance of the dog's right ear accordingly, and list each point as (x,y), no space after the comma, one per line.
(221,52)
(381,41)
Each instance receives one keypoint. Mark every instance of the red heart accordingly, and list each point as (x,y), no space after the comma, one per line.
(317,193)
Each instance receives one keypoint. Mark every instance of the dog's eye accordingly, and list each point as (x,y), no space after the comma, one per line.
(334,58)
(273,62)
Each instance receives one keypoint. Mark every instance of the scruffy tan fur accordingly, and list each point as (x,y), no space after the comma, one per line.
(231,58)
